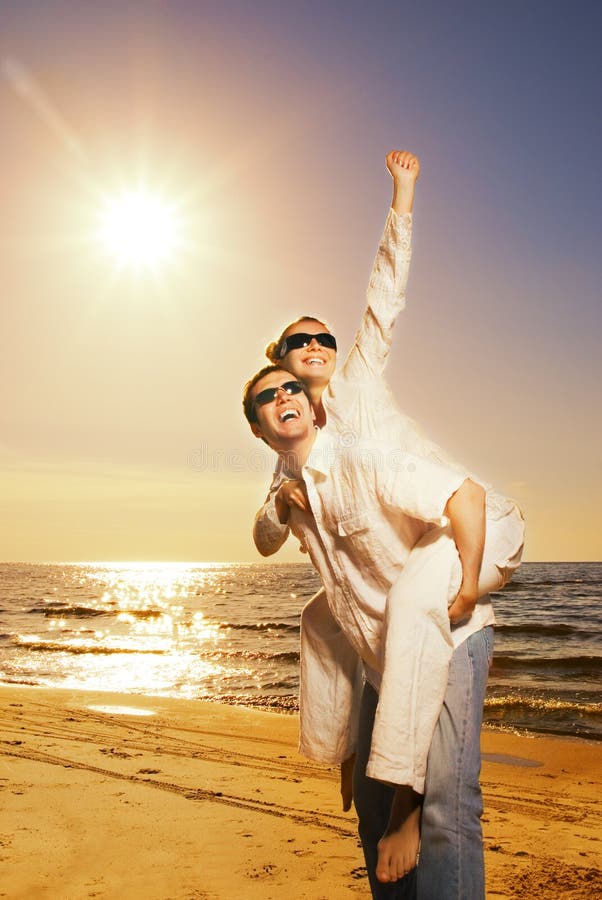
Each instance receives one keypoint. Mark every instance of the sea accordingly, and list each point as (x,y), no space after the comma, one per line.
(229,632)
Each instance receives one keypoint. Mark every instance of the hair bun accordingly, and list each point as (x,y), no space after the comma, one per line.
(270,351)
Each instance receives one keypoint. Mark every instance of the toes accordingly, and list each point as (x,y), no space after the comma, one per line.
(383,866)
(382,872)
(394,861)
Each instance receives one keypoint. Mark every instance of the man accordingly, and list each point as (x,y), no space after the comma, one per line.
(373,513)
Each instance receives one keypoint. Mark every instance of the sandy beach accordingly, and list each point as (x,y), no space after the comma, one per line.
(109,795)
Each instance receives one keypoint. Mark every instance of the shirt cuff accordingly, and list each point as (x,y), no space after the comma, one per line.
(401,220)
(269,533)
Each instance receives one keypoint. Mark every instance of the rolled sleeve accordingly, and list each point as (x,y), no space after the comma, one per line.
(269,534)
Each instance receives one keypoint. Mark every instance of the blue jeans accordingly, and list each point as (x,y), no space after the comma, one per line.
(451,856)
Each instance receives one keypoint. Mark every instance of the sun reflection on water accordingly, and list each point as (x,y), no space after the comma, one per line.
(153,640)
(187,630)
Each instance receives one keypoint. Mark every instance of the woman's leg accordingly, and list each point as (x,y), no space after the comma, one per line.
(418,646)
(417,649)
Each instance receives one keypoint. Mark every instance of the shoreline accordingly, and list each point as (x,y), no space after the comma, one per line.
(110,794)
(292,710)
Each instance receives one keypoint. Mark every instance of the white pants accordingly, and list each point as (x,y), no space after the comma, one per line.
(416,644)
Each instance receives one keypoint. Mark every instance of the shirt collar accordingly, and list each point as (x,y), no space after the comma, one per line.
(322,453)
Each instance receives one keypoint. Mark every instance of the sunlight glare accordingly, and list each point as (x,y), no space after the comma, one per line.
(139,229)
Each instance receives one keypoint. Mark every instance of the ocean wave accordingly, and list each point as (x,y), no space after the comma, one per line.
(540,630)
(582,664)
(260,626)
(536,583)
(280,703)
(542,704)
(282,656)
(543,726)
(56,647)
(58,611)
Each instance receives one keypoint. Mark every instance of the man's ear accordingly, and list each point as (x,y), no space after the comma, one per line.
(256,429)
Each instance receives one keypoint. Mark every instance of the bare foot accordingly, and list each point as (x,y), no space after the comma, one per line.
(399,845)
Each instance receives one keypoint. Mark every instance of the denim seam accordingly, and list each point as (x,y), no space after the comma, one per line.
(459,780)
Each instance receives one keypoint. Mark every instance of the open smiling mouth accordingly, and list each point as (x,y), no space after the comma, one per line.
(288,414)
(315,361)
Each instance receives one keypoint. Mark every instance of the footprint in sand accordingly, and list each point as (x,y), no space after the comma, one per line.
(120,754)
(264,872)
(360,872)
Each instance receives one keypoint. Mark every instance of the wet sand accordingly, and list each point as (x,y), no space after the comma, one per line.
(200,800)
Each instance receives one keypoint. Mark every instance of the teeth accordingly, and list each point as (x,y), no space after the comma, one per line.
(288,414)
(314,361)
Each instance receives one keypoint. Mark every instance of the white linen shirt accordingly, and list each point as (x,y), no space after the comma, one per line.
(370,505)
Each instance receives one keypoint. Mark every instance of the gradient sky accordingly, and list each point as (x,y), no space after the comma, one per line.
(267,123)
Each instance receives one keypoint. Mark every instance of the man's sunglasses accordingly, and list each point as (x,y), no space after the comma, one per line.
(296,341)
(270,394)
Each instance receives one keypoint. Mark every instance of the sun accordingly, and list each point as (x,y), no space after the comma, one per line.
(139,229)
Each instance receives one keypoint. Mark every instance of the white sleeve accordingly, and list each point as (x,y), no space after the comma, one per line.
(269,534)
(386,299)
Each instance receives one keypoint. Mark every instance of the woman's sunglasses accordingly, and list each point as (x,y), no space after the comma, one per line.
(296,341)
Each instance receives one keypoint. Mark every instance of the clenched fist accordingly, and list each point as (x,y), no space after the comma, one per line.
(290,493)
(403,166)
